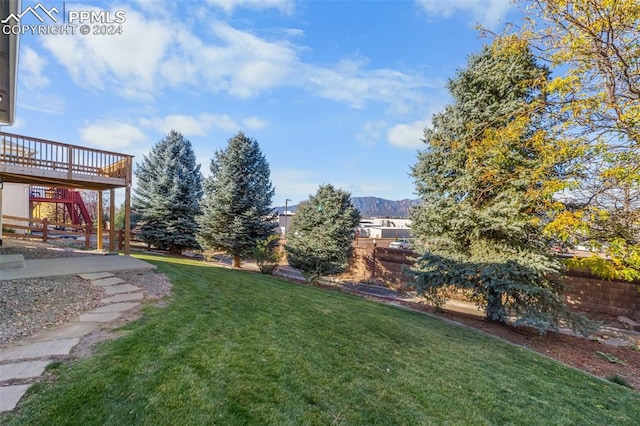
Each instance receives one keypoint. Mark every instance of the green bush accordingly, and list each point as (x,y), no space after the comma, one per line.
(267,254)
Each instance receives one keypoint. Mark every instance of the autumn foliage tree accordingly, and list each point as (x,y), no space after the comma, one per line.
(486,178)
(594,47)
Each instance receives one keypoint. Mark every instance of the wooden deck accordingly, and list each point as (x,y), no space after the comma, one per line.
(37,161)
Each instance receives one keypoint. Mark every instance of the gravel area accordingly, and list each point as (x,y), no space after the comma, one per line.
(38,250)
(153,284)
(33,304)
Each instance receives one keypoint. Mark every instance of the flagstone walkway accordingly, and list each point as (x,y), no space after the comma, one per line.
(23,362)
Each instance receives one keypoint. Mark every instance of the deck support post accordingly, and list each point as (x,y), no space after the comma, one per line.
(112,220)
(99,220)
(127,219)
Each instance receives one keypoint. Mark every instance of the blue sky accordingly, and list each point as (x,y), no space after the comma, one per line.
(334,91)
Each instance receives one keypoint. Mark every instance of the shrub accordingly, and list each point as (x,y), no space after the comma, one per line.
(267,254)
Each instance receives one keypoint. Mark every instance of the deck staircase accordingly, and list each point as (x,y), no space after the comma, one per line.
(72,200)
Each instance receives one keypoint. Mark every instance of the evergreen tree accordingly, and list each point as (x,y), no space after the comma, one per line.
(237,209)
(319,242)
(486,179)
(167,195)
(119,217)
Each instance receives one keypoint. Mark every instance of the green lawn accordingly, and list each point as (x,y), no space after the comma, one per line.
(235,347)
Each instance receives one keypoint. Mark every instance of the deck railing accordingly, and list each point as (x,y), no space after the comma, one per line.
(75,160)
(51,193)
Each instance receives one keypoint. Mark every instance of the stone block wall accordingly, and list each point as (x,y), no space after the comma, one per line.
(583,290)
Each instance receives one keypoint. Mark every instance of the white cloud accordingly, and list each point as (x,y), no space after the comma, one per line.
(371,132)
(407,135)
(112,134)
(254,123)
(185,124)
(410,135)
(124,63)
(352,83)
(43,102)
(31,68)
(191,125)
(486,12)
(250,64)
(148,58)
(293,32)
(201,124)
(285,6)
(294,184)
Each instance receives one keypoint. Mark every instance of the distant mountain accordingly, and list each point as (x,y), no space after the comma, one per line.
(379,207)
(374,207)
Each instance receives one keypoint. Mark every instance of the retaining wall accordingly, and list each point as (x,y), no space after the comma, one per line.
(583,290)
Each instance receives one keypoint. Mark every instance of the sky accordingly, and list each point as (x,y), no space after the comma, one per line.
(335,92)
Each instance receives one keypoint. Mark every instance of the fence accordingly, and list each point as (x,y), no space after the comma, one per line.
(583,290)
(593,294)
(43,229)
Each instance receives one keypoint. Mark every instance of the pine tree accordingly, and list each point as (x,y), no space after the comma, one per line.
(167,195)
(319,242)
(486,179)
(237,209)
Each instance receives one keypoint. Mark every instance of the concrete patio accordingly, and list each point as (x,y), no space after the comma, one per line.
(73,266)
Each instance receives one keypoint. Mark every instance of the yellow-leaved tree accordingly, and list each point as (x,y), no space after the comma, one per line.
(593,48)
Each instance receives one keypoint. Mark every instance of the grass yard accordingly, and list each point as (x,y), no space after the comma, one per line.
(233,347)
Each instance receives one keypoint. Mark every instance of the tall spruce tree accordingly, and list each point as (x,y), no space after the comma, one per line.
(237,209)
(168,193)
(319,241)
(486,179)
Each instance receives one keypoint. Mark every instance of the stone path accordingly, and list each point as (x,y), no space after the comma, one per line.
(23,362)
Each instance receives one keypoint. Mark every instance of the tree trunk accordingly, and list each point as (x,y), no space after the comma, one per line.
(236,261)
(495,307)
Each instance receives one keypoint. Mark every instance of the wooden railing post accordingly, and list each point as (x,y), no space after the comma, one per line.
(70,160)
(45,229)
(87,235)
